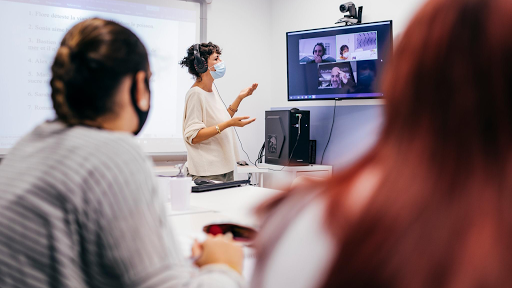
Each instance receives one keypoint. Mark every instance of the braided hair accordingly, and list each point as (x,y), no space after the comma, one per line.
(205,51)
(93,58)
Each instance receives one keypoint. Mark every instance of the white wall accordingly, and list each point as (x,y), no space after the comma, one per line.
(242,29)
(252,34)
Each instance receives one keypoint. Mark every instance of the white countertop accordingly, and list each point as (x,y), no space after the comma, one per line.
(264,168)
(233,205)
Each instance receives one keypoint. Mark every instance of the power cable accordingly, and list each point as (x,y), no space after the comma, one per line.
(330,133)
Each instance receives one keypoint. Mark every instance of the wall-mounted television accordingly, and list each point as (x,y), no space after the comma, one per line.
(338,62)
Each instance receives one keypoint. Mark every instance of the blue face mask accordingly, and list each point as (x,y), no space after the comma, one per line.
(220,70)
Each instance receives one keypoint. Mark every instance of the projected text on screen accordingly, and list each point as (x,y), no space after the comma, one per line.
(32,31)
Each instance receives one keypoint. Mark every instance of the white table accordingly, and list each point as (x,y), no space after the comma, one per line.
(233,205)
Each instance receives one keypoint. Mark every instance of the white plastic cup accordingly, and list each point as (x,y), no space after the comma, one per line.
(164,187)
(181,188)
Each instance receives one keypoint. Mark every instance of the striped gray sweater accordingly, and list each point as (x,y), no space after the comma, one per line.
(79,208)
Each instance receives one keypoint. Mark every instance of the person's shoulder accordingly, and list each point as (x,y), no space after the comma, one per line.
(306,60)
(195,94)
(196,91)
(80,143)
(116,148)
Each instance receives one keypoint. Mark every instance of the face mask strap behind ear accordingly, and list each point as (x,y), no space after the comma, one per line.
(142,115)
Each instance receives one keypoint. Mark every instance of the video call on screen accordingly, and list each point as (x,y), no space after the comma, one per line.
(338,62)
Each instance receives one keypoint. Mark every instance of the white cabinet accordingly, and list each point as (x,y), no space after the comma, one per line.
(281,177)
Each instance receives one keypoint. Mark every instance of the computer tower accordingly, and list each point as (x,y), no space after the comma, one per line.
(287,137)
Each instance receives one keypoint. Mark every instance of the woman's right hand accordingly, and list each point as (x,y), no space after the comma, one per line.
(239,121)
(219,249)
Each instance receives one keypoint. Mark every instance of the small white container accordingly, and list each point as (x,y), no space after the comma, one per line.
(181,188)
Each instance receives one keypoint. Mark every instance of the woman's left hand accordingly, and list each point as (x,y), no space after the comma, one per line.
(248,91)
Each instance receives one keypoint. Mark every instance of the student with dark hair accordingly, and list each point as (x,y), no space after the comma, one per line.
(318,52)
(79,206)
(318,55)
(210,141)
(430,205)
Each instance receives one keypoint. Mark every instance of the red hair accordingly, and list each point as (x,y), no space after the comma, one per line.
(441,216)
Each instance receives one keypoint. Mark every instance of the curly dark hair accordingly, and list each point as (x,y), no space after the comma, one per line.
(205,50)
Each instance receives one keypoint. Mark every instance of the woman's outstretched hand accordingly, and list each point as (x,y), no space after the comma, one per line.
(248,91)
(240,121)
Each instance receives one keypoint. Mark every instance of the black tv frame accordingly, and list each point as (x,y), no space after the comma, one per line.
(340,98)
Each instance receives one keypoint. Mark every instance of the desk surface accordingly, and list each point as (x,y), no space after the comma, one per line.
(219,206)
(236,202)
(233,204)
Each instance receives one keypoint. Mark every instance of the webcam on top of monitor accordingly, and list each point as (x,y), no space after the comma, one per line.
(353,17)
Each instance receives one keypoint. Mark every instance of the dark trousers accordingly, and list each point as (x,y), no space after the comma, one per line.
(221,177)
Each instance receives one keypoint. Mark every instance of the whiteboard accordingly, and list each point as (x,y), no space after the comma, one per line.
(33,30)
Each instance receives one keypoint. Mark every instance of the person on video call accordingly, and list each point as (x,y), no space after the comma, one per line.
(344,52)
(335,77)
(211,145)
(79,200)
(318,55)
(340,79)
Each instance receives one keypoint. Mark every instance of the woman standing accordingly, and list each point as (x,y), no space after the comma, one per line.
(211,146)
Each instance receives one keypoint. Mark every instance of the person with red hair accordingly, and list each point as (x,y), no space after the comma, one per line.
(431,204)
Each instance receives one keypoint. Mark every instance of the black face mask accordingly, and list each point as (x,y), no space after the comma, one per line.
(143,115)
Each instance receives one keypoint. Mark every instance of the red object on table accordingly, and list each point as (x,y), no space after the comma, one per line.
(214,230)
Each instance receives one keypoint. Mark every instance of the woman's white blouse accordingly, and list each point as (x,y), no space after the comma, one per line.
(218,154)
